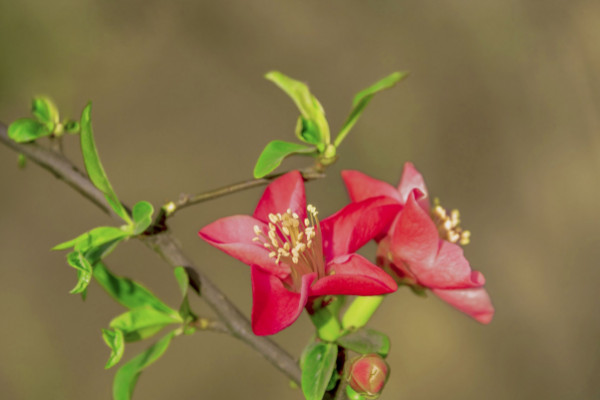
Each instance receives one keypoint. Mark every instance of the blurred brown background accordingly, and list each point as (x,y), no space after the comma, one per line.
(500,113)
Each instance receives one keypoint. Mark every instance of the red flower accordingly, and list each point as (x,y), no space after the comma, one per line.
(420,246)
(295,258)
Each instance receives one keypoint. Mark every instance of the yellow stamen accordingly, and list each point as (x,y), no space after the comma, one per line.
(449,224)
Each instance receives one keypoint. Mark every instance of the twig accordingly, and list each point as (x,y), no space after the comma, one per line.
(166,245)
(186,200)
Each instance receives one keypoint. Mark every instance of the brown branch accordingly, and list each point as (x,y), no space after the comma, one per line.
(165,245)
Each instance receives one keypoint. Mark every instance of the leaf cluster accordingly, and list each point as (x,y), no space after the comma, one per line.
(312,127)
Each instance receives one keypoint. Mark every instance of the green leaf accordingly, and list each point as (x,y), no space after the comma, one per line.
(128,374)
(309,106)
(366,341)
(93,238)
(116,342)
(142,216)
(94,167)
(21,161)
(141,323)
(44,109)
(317,368)
(27,130)
(274,153)
(128,293)
(363,98)
(84,270)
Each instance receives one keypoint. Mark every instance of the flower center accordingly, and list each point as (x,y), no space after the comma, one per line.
(295,243)
(448,225)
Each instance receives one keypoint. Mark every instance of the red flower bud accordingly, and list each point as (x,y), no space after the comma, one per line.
(367,374)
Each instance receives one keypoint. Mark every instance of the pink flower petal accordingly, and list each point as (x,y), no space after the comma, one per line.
(353,275)
(450,270)
(234,235)
(285,192)
(475,303)
(361,187)
(415,238)
(356,224)
(273,306)
(411,180)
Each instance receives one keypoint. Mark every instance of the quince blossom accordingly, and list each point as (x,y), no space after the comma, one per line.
(420,246)
(295,258)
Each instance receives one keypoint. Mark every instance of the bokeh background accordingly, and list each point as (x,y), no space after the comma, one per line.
(501,114)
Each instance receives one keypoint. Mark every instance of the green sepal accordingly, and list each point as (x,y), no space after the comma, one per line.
(274,153)
(142,323)
(27,130)
(94,167)
(116,342)
(127,376)
(309,106)
(129,293)
(352,395)
(362,99)
(142,217)
(366,341)
(336,303)
(44,109)
(418,290)
(327,324)
(317,368)
(84,271)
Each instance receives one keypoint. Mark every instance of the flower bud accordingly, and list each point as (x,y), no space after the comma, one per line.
(367,374)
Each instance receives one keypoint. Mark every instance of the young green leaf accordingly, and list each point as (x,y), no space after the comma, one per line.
(363,98)
(366,341)
(128,293)
(116,342)
(21,161)
(308,132)
(183,280)
(27,130)
(94,167)
(128,374)
(274,153)
(71,126)
(141,323)
(98,253)
(319,363)
(44,109)
(93,238)
(309,106)
(84,270)
(142,216)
